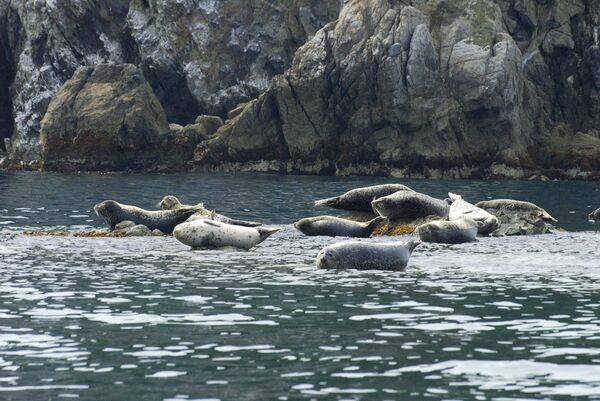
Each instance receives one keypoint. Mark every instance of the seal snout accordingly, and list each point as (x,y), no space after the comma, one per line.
(326,259)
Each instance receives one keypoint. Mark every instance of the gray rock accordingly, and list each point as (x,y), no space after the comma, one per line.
(157,233)
(104,118)
(368,94)
(124,225)
(210,123)
(139,230)
(520,224)
(199,56)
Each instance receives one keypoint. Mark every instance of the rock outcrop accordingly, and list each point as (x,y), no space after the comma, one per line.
(453,88)
(104,118)
(199,56)
(417,88)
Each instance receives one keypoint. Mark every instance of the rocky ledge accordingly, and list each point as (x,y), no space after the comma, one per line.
(456,88)
(428,88)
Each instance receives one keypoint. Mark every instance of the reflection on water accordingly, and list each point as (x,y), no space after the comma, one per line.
(145,318)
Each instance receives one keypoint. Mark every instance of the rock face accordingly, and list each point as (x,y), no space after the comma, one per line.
(199,56)
(104,118)
(453,88)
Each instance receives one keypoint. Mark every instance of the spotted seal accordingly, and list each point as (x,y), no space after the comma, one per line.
(164,220)
(331,226)
(410,205)
(461,208)
(495,205)
(449,232)
(366,255)
(171,202)
(207,234)
(359,199)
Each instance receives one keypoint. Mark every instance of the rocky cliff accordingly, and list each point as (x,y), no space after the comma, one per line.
(438,88)
(425,88)
(199,56)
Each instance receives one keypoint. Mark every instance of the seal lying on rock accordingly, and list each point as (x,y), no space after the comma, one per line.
(461,208)
(207,234)
(449,232)
(359,199)
(336,227)
(366,255)
(163,220)
(495,205)
(410,205)
(171,202)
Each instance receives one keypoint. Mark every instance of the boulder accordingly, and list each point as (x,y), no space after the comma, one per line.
(124,225)
(512,223)
(139,230)
(105,117)
(210,124)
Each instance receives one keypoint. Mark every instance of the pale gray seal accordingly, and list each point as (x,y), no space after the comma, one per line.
(203,234)
(595,215)
(171,202)
(449,232)
(163,220)
(496,205)
(366,255)
(359,199)
(331,226)
(410,205)
(461,208)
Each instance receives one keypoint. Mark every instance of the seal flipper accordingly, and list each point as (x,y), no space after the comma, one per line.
(243,223)
(373,224)
(331,202)
(266,232)
(412,245)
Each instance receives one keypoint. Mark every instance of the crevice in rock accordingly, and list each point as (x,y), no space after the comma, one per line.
(6,77)
(312,124)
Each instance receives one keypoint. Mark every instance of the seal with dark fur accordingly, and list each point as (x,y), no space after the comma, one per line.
(366,255)
(331,226)
(171,202)
(359,199)
(163,220)
(410,205)
(595,215)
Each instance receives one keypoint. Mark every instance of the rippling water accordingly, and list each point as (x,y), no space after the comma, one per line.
(145,318)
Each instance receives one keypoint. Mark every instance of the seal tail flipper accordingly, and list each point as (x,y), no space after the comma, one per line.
(331,202)
(266,232)
(548,216)
(373,224)
(375,211)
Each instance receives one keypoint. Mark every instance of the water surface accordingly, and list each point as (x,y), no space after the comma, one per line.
(146,318)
